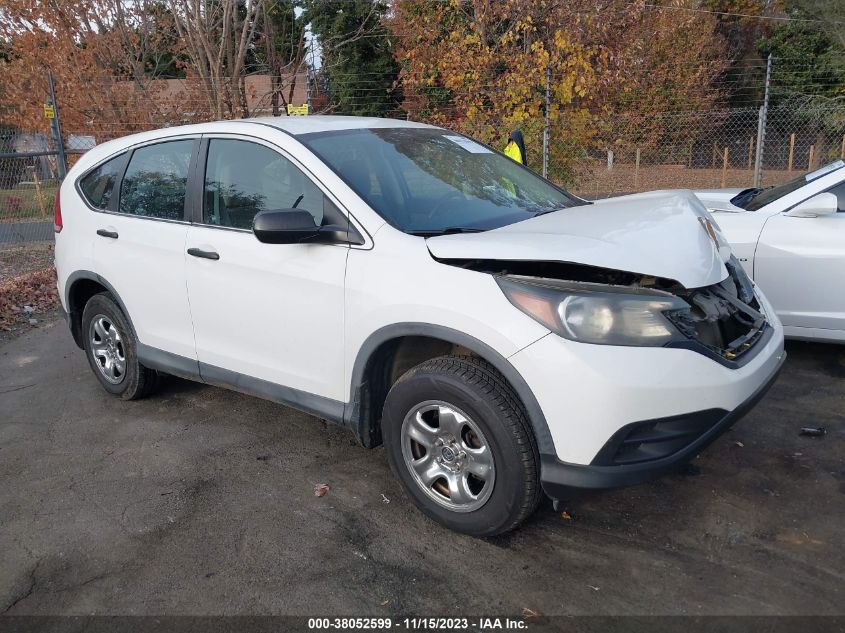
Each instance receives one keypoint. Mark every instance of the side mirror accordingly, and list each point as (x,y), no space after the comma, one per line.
(293,226)
(820,204)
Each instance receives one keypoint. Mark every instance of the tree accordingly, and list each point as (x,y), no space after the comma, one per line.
(809,72)
(358,66)
(481,67)
(96,53)
(217,36)
(281,51)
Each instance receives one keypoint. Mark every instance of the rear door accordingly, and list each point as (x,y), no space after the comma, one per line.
(268,311)
(800,265)
(139,245)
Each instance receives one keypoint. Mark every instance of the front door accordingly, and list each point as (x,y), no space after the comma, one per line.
(800,265)
(267,311)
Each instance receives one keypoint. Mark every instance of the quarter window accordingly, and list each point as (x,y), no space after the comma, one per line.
(156,181)
(839,192)
(243,178)
(98,185)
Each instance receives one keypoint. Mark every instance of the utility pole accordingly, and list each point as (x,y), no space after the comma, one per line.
(310,72)
(56,128)
(308,90)
(761,127)
(548,122)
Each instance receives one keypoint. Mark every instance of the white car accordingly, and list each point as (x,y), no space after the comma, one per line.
(494,332)
(791,240)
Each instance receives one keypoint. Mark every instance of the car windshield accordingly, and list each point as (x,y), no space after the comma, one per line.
(429,181)
(754,199)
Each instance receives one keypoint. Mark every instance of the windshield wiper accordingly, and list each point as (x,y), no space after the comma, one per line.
(747,195)
(539,213)
(446,231)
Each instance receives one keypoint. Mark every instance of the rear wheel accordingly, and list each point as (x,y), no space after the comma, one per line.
(459,441)
(111,350)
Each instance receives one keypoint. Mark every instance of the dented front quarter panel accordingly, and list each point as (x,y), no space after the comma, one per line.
(658,234)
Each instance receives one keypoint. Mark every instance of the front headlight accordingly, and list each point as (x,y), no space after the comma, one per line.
(596,313)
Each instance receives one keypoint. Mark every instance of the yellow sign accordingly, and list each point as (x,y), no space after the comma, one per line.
(297,110)
(49,111)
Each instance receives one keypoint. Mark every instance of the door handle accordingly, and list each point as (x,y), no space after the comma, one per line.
(198,252)
(107,233)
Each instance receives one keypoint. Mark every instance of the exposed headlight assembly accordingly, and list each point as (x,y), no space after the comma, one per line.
(596,313)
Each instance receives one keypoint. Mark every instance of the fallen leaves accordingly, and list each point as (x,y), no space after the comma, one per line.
(529,613)
(24,295)
(320,490)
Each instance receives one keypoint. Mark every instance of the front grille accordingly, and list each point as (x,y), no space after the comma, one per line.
(725,320)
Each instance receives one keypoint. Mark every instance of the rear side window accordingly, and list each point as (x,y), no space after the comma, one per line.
(156,181)
(98,185)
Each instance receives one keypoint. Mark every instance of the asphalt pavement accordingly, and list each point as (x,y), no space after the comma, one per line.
(201,501)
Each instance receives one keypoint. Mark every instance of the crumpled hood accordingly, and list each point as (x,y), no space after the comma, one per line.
(659,234)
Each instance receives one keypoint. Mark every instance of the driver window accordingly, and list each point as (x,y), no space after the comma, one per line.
(243,178)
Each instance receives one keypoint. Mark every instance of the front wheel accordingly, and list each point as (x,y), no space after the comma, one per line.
(459,441)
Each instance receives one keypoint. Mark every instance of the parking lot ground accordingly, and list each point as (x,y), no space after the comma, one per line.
(201,501)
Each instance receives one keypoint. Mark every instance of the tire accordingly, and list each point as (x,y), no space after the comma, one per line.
(111,350)
(455,407)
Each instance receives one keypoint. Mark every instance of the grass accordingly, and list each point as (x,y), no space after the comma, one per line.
(22,204)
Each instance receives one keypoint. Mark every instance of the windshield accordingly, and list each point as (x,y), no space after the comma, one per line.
(430,181)
(753,199)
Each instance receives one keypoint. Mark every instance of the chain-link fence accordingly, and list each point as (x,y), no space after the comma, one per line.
(696,150)
(28,180)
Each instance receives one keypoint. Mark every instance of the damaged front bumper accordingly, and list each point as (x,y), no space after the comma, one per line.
(619,415)
(645,450)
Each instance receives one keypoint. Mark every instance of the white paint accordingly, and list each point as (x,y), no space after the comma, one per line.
(799,262)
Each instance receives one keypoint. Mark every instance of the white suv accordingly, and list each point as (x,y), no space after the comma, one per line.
(494,332)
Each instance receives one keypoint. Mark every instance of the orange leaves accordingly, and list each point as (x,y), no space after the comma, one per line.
(25,295)
(481,67)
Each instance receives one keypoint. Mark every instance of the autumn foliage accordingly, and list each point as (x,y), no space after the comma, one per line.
(92,50)
(482,67)
(617,69)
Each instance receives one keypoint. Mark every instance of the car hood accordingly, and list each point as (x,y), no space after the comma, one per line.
(660,234)
(719,200)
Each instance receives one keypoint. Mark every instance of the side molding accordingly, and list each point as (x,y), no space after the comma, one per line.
(319,406)
(190,369)
(352,410)
(160,360)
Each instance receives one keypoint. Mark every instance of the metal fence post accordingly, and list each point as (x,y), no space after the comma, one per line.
(761,127)
(548,121)
(56,128)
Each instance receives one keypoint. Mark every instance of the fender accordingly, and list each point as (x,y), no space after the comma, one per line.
(74,317)
(352,415)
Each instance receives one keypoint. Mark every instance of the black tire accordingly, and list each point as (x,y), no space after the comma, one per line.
(475,388)
(136,381)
